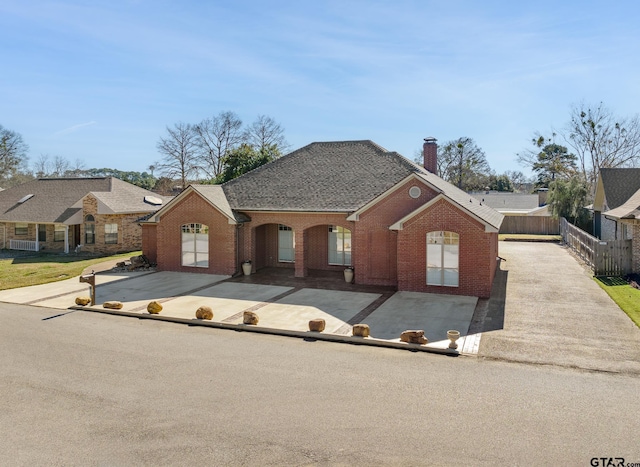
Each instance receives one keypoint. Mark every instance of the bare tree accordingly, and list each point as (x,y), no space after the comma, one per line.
(13,152)
(602,140)
(59,166)
(179,150)
(216,137)
(464,164)
(41,166)
(265,132)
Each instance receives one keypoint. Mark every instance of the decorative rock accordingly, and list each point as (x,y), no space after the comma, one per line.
(82,301)
(204,312)
(413,337)
(361,330)
(154,307)
(249,317)
(112,305)
(316,325)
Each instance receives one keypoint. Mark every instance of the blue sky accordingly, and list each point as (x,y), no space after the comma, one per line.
(100,81)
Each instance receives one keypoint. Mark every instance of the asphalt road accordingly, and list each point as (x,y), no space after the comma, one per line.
(81,388)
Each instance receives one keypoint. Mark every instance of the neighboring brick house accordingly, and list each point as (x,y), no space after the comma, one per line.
(59,214)
(616,208)
(333,205)
(613,189)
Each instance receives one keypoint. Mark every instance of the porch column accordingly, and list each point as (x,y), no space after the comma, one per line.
(66,238)
(37,237)
(301,268)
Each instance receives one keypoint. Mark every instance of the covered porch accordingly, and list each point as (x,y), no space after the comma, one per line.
(36,237)
(300,251)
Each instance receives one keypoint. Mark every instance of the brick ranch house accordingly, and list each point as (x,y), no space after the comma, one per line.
(333,205)
(59,214)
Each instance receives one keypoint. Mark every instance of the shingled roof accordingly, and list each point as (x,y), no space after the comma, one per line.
(58,199)
(339,176)
(320,177)
(619,185)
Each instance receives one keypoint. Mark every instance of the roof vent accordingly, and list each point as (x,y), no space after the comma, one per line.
(153,200)
(25,198)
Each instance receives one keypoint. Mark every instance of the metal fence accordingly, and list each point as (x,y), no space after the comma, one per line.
(532,225)
(605,258)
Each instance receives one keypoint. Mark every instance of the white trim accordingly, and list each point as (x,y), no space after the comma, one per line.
(399,225)
(267,211)
(190,189)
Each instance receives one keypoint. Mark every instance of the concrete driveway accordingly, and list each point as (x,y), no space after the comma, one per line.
(546,308)
(279,307)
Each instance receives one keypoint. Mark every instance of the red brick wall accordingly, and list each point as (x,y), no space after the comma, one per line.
(477,254)
(222,237)
(380,256)
(311,237)
(376,262)
(149,242)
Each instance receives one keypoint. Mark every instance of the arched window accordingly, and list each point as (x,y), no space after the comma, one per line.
(443,258)
(195,245)
(339,246)
(89,230)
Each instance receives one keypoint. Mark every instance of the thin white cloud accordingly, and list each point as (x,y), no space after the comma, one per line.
(74,128)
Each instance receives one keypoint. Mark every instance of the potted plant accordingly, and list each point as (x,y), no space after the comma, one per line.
(246,267)
(348,275)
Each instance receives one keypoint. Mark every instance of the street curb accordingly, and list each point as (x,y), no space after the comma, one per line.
(307,335)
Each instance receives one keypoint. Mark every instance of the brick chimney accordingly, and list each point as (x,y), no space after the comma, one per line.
(430,153)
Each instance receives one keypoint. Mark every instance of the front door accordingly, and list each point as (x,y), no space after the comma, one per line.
(76,236)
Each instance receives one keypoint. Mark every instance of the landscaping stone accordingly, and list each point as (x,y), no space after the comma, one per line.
(317,325)
(154,307)
(413,337)
(112,305)
(249,317)
(82,301)
(204,312)
(361,330)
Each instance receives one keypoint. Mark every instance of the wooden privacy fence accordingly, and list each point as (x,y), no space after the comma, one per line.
(532,225)
(605,258)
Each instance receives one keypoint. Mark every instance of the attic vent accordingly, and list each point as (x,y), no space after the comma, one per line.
(153,200)
(25,198)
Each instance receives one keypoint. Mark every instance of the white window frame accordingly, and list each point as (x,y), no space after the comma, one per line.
(59,230)
(21,228)
(286,244)
(443,258)
(194,245)
(109,231)
(339,249)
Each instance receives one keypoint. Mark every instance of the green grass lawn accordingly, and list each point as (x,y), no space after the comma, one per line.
(627,297)
(47,267)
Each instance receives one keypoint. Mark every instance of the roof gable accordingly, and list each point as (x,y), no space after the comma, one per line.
(212,194)
(399,225)
(615,187)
